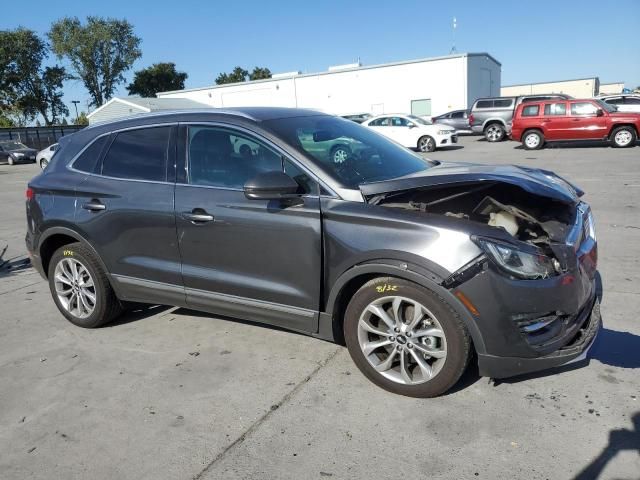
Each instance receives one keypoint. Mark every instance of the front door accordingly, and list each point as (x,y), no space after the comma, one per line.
(254,259)
(585,122)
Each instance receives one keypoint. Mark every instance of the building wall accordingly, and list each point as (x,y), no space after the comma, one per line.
(446,82)
(114,110)
(611,88)
(582,88)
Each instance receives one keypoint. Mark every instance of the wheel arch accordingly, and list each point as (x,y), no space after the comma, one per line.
(331,321)
(618,125)
(491,120)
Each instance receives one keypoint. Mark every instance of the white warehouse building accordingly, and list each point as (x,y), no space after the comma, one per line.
(429,86)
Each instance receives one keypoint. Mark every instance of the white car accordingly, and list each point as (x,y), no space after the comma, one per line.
(44,156)
(623,102)
(412,131)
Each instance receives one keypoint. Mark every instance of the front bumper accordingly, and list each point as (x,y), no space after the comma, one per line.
(576,350)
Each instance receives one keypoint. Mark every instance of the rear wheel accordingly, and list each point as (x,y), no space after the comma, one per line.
(340,154)
(623,137)
(80,287)
(405,338)
(426,144)
(44,163)
(10,160)
(532,140)
(494,132)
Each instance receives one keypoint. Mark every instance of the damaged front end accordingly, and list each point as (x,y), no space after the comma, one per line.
(532,289)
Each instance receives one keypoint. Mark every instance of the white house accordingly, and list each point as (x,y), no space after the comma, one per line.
(120,107)
(429,86)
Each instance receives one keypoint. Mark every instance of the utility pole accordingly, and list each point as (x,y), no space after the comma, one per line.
(453,46)
(75,104)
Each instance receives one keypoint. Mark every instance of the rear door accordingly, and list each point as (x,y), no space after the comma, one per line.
(459,120)
(585,122)
(556,122)
(125,210)
(254,259)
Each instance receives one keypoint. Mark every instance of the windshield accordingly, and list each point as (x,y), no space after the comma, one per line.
(12,145)
(419,120)
(350,153)
(609,108)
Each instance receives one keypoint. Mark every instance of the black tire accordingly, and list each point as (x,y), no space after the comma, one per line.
(457,338)
(43,163)
(625,132)
(494,132)
(340,153)
(10,160)
(532,140)
(426,144)
(107,306)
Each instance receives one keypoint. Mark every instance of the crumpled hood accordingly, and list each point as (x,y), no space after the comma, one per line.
(538,182)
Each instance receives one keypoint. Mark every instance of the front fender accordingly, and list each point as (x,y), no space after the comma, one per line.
(330,325)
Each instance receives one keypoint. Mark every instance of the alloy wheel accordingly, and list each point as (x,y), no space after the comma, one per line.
(623,138)
(426,145)
(494,133)
(340,155)
(402,340)
(75,288)
(532,140)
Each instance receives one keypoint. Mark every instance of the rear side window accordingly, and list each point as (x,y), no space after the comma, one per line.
(459,115)
(632,101)
(484,104)
(87,160)
(503,103)
(614,100)
(139,155)
(531,111)
(555,109)
(583,108)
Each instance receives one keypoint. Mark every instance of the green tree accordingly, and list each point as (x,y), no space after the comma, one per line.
(100,52)
(25,86)
(82,119)
(238,74)
(6,121)
(260,73)
(159,77)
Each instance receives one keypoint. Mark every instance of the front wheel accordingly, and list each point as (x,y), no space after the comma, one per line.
(405,338)
(10,161)
(532,140)
(340,154)
(80,287)
(44,163)
(426,144)
(623,137)
(494,132)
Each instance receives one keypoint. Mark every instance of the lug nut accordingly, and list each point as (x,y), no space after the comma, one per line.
(399,348)
(410,345)
(397,330)
(393,339)
(409,334)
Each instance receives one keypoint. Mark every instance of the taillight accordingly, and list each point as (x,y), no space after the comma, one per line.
(471,119)
(29,193)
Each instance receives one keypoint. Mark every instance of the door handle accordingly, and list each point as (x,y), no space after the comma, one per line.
(576,119)
(197,215)
(94,206)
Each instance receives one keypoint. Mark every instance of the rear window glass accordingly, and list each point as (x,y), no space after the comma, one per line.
(503,103)
(484,104)
(87,160)
(555,109)
(530,110)
(138,155)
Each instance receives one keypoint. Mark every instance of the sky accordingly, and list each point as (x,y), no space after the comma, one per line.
(534,41)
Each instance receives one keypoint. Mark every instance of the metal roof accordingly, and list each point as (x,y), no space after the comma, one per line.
(338,72)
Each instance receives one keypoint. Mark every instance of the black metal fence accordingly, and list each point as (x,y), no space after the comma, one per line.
(38,137)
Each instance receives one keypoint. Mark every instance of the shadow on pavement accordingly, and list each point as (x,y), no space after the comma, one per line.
(10,266)
(619,441)
(617,349)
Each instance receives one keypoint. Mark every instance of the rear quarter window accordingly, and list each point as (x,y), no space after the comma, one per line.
(531,111)
(484,104)
(505,103)
(88,159)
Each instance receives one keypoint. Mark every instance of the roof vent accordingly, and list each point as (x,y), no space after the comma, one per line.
(346,66)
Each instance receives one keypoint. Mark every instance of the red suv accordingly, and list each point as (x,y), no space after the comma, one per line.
(535,123)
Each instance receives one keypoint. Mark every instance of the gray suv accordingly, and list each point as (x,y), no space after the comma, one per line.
(418,266)
(492,116)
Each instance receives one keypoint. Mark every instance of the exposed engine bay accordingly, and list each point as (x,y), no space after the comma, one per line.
(539,221)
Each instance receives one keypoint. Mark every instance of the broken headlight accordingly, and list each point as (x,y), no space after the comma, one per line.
(518,263)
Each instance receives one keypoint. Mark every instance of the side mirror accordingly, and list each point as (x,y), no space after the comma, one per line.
(599,113)
(411,125)
(273,185)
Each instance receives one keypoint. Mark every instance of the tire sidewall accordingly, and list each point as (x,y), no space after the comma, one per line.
(456,336)
(540,140)
(72,251)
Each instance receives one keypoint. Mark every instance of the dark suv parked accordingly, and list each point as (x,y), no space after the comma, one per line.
(240,212)
(492,116)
